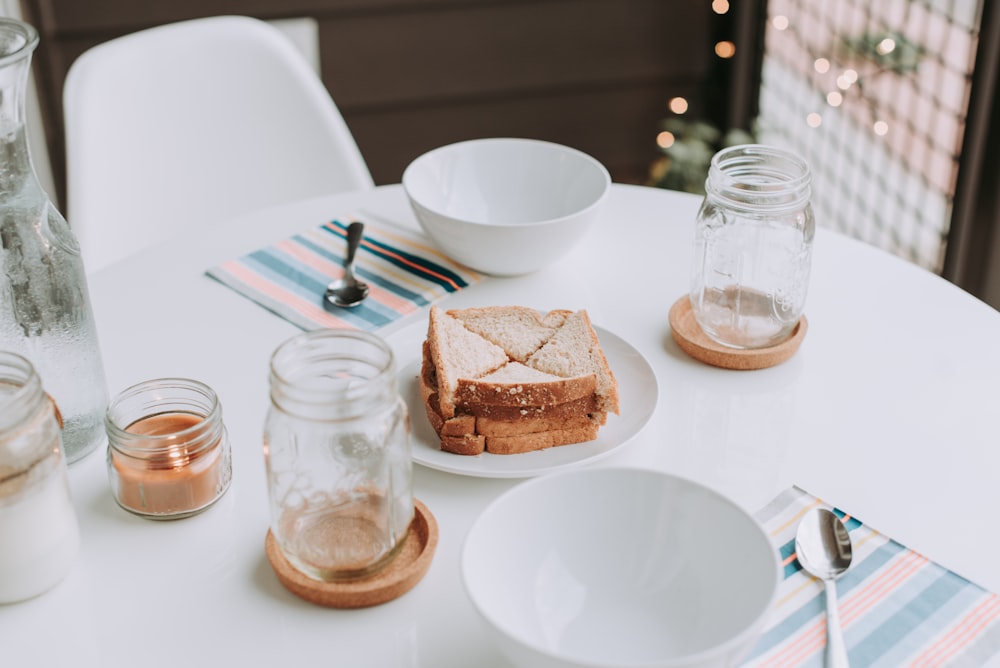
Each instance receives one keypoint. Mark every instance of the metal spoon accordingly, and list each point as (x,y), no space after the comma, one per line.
(823,547)
(348,291)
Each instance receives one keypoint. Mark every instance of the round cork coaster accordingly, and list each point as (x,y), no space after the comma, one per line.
(405,570)
(692,340)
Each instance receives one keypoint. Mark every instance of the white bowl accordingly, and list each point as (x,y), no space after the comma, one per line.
(619,567)
(506,206)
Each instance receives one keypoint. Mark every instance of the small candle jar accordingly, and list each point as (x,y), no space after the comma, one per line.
(753,246)
(337,450)
(39,534)
(168,450)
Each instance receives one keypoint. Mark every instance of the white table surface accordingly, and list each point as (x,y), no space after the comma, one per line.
(889,410)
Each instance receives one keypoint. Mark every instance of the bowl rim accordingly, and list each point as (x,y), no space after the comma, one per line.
(406,180)
(704,655)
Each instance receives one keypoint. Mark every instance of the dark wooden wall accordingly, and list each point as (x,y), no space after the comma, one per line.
(409,75)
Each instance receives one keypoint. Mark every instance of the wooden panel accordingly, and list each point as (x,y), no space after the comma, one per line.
(618,127)
(412,74)
(103,16)
(96,16)
(461,52)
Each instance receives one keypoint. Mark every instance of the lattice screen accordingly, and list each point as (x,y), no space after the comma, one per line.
(874,96)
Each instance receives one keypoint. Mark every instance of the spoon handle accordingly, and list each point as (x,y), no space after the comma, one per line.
(836,653)
(354,233)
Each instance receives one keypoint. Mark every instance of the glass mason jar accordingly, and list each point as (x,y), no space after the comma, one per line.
(337,451)
(39,535)
(753,246)
(45,312)
(168,450)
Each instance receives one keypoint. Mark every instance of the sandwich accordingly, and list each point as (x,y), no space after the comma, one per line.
(510,379)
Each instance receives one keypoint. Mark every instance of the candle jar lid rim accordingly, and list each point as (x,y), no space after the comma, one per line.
(199,436)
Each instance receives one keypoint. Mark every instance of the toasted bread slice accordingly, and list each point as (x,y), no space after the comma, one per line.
(518,330)
(509,445)
(515,384)
(476,444)
(469,444)
(465,434)
(458,353)
(512,421)
(581,406)
(570,408)
(490,427)
(574,350)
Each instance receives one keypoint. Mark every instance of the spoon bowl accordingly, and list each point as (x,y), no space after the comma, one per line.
(823,548)
(348,291)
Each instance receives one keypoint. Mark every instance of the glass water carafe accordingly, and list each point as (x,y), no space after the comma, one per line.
(45,311)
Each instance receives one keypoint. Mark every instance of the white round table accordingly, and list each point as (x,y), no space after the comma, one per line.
(888,410)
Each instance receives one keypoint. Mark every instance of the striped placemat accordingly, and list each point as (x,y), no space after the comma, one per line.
(897,608)
(403,270)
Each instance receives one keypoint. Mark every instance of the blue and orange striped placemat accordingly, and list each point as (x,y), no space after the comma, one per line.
(404,271)
(897,608)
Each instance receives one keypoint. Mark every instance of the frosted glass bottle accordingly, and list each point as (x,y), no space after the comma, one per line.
(45,311)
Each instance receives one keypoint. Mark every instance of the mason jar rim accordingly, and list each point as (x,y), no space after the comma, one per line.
(300,364)
(759,176)
(24,30)
(201,435)
(309,340)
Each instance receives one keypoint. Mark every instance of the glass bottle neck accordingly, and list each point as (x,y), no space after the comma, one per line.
(161,422)
(17,43)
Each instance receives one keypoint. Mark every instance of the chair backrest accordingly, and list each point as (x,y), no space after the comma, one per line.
(186,124)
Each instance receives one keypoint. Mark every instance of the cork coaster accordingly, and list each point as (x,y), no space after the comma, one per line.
(692,340)
(400,576)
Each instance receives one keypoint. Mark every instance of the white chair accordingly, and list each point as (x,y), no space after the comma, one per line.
(187,124)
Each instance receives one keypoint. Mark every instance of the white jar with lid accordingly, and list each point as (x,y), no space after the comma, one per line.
(39,534)
(753,246)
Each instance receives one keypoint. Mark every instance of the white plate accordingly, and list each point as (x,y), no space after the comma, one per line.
(637,391)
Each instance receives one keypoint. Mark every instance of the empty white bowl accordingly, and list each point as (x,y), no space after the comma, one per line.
(619,568)
(506,206)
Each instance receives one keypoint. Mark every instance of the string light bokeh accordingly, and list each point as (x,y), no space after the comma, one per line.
(694,127)
(873,95)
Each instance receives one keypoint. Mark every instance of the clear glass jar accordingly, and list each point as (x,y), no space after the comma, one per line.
(337,450)
(168,450)
(753,246)
(39,534)
(45,312)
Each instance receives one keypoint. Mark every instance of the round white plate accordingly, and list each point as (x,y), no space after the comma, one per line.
(637,390)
